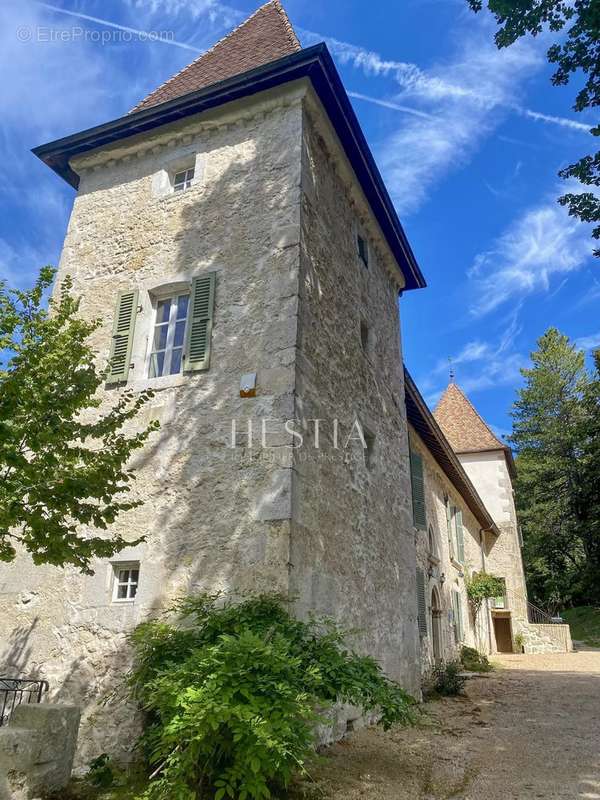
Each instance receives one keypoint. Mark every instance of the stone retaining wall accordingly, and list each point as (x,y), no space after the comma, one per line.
(37,748)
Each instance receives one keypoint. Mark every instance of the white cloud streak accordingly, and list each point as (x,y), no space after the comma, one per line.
(389,104)
(545,241)
(151,36)
(562,121)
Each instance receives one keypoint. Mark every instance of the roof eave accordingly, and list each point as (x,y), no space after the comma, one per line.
(313,62)
(423,421)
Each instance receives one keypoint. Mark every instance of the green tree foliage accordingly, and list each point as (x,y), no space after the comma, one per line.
(578,50)
(586,495)
(62,461)
(232,693)
(481,586)
(556,434)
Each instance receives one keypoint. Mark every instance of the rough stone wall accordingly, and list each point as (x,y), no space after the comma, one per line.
(352,549)
(433,553)
(540,638)
(37,748)
(213,518)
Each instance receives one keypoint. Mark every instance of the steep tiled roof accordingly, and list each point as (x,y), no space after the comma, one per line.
(462,426)
(265,36)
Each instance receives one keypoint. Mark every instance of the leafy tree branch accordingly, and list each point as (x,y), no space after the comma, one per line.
(63,459)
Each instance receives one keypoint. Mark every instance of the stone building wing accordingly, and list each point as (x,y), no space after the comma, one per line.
(430,431)
(264,37)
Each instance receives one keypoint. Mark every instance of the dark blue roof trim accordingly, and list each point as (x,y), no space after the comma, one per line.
(314,63)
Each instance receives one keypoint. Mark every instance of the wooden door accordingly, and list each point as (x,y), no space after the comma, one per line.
(503,635)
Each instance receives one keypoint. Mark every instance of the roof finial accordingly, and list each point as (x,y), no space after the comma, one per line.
(451,369)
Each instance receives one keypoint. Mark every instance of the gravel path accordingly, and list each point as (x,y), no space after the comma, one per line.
(531,729)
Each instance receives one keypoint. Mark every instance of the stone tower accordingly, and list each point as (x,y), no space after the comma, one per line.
(235,237)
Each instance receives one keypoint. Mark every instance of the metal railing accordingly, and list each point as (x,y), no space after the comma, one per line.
(536,616)
(14,691)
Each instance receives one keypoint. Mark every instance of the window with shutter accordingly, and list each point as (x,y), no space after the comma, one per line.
(418,490)
(449,527)
(421,603)
(122,339)
(458,620)
(199,328)
(460,537)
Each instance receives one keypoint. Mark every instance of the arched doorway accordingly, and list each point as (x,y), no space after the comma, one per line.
(436,624)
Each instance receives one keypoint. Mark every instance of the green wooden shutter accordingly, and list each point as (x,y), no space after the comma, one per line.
(458,620)
(449,527)
(418,490)
(460,537)
(199,328)
(122,339)
(421,603)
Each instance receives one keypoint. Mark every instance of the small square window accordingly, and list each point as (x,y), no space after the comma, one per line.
(183,179)
(126,579)
(363,249)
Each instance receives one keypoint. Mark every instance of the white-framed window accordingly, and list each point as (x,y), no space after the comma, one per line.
(168,335)
(126,579)
(182,179)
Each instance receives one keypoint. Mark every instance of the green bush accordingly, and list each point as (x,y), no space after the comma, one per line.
(474,661)
(231,693)
(447,680)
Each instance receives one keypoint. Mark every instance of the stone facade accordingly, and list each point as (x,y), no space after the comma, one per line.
(273,211)
(444,573)
(352,548)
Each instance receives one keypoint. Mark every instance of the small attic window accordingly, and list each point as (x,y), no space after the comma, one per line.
(182,180)
(363,249)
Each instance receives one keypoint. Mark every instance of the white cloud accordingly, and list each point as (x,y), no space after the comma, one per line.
(455,105)
(420,154)
(545,241)
(409,76)
(588,343)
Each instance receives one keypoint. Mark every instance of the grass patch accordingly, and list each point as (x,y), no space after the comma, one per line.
(585,624)
(474,661)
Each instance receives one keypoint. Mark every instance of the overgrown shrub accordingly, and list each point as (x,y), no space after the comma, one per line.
(232,692)
(474,661)
(447,680)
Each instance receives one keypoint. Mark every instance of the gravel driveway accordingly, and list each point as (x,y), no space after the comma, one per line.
(531,729)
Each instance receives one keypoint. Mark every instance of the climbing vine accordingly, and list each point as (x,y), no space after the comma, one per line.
(480,587)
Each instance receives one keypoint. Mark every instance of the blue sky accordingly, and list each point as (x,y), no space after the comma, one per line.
(469,140)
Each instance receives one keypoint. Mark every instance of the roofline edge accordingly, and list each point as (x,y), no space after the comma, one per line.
(313,62)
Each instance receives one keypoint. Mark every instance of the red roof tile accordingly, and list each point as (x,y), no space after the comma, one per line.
(461,424)
(265,36)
